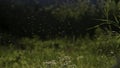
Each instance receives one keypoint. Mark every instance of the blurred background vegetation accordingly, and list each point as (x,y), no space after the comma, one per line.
(67,19)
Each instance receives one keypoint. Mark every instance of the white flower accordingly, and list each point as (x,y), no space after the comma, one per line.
(53,62)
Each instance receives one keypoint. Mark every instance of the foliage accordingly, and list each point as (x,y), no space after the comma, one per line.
(58,53)
(65,20)
(60,29)
(110,19)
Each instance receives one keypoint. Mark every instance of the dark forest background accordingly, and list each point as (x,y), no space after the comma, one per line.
(54,20)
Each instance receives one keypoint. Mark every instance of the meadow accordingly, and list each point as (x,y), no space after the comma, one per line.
(80,35)
(101,52)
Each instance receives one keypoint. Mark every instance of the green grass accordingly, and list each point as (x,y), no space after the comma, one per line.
(61,53)
(99,52)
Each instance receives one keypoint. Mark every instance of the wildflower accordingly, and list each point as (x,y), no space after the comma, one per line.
(53,62)
(111,52)
(72,66)
(50,64)
(64,61)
